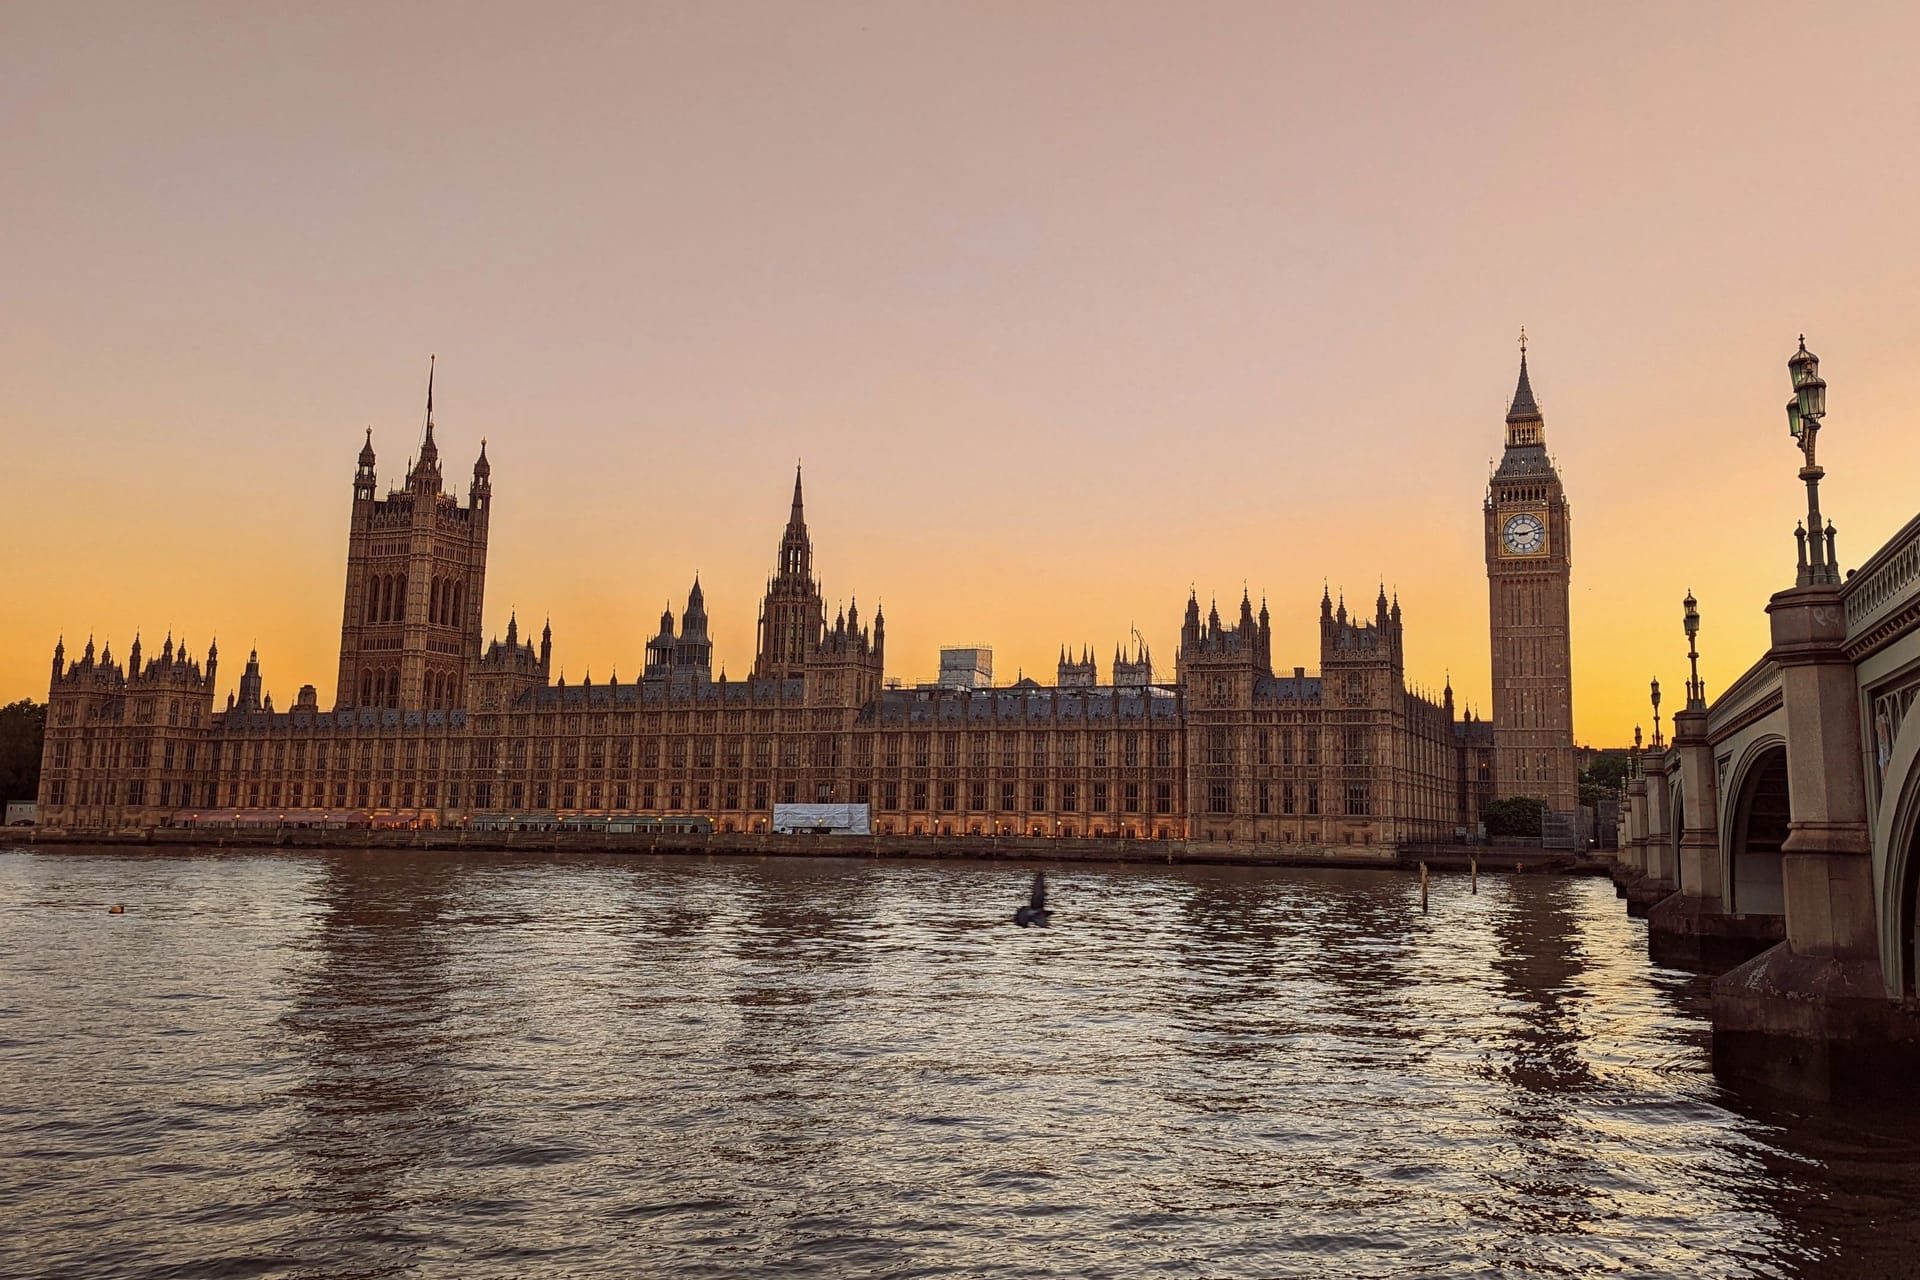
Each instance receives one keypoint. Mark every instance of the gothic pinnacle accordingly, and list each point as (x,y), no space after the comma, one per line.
(1524,408)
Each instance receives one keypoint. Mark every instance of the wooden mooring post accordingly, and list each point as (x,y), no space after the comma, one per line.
(1423,888)
(1473,871)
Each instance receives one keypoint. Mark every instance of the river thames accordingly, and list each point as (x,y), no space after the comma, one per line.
(383,1064)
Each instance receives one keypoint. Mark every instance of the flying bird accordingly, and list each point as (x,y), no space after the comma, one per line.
(1035,913)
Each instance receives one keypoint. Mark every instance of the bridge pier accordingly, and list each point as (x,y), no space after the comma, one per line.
(1693,933)
(1661,879)
(1691,928)
(1811,1015)
(1633,879)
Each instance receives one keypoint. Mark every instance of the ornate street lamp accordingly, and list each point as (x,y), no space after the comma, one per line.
(1818,564)
(1656,715)
(1696,692)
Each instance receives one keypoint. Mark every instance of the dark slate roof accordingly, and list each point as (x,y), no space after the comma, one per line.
(1477,733)
(1287,689)
(1525,461)
(1524,409)
(653,693)
(1023,703)
(360,717)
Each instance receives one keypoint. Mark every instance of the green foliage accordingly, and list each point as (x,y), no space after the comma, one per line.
(1519,816)
(23,728)
(1606,777)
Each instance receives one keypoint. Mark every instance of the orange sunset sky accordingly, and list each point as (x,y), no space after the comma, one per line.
(1065,306)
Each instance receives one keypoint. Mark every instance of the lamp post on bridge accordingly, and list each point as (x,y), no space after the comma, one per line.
(1818,564)
(1656,715)
(1696,692)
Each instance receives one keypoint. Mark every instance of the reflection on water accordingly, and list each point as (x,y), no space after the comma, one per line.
(383,1064)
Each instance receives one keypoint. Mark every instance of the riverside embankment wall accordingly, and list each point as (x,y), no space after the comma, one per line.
(980,848)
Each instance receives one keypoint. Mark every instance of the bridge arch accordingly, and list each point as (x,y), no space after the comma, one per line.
(1758,814)
(1904,915)
(1896,840)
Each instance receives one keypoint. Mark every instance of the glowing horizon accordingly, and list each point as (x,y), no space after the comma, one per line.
(1067,310)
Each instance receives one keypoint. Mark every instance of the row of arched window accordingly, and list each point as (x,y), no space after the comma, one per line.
(440,691)
(382,689)
(387,600)
(449,597)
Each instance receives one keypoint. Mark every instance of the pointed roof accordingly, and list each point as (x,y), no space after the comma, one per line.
(1525,457)
(1524,409)
(429,452)
(799,515)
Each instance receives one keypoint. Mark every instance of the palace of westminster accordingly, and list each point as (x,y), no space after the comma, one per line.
(431,726)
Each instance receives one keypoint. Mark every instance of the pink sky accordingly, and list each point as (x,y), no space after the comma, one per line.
(1066,307)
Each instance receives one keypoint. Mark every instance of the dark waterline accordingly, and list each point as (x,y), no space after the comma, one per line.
(383,1064)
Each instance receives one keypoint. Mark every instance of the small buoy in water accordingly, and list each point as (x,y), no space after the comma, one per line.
(116,910)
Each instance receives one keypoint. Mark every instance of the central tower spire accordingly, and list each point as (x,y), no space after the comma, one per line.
(792,616)
(428,467)
(1524,424)
(796,548)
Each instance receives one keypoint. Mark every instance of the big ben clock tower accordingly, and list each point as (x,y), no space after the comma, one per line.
(1529,556)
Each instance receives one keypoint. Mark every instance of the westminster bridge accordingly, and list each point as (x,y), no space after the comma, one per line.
(1776,840)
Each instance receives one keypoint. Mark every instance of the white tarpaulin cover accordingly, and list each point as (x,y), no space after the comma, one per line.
(840,819)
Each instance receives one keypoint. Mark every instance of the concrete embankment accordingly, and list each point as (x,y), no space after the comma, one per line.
(1490,859)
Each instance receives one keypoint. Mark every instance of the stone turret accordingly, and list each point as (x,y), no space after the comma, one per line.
(1081,673)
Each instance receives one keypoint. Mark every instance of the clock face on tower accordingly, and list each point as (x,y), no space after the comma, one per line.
(1524,535)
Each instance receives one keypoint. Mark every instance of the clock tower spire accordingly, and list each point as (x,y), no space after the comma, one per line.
(1529,562)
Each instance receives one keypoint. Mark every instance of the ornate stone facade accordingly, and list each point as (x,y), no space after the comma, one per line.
(416,575)
(431,726)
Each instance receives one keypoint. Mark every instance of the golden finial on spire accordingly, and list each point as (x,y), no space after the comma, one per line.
(1523,339)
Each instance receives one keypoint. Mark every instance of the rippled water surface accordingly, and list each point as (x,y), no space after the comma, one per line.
(379,1064)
